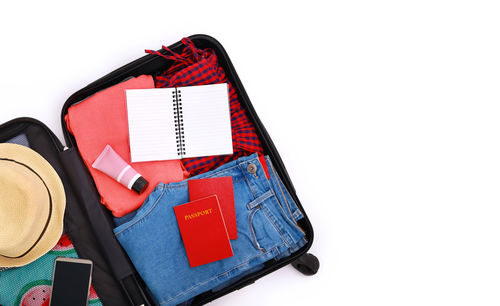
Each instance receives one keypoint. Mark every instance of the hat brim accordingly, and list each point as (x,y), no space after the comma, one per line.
(55,186)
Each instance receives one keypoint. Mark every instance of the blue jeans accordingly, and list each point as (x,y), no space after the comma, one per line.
(266,218)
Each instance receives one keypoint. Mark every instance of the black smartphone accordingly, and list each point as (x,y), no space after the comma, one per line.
(71,281)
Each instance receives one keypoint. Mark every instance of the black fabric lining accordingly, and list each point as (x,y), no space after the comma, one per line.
(50,209)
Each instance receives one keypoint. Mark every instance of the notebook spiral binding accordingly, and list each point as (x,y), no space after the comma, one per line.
(179,122)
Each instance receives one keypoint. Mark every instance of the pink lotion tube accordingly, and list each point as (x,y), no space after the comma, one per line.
(113,165)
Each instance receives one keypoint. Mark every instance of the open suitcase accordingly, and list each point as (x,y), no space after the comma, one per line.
(89,224)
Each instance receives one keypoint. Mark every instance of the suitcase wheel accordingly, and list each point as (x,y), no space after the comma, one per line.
(307,264)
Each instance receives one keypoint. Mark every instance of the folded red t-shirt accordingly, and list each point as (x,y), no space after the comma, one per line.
(102,119)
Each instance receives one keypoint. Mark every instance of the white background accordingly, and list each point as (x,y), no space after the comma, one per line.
(386,114)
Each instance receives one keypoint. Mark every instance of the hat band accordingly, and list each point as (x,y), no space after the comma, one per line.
(50,209)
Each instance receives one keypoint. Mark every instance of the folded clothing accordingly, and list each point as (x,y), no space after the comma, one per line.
(32,284)
(101,120)
(195,66)
(266,218)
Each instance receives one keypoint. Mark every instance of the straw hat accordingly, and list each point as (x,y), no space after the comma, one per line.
(32,203)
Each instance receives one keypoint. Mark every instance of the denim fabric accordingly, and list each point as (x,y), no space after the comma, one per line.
(266,219)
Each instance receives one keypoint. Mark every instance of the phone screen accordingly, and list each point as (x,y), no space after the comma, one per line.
(71,283)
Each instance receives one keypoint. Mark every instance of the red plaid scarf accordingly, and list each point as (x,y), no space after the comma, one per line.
(200,67)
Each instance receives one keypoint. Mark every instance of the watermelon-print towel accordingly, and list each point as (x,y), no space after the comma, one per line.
(31,285)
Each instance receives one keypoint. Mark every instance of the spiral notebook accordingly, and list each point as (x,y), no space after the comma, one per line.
(181,122)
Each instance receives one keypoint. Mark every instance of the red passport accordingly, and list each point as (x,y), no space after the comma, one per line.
(203,231)
(223,188)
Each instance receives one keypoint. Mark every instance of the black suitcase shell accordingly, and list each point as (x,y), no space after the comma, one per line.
(89,224)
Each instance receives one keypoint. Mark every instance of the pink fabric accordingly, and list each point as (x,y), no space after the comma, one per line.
(102,119)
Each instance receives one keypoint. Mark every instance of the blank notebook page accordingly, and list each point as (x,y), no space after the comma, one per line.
(151,124)
(207,121)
